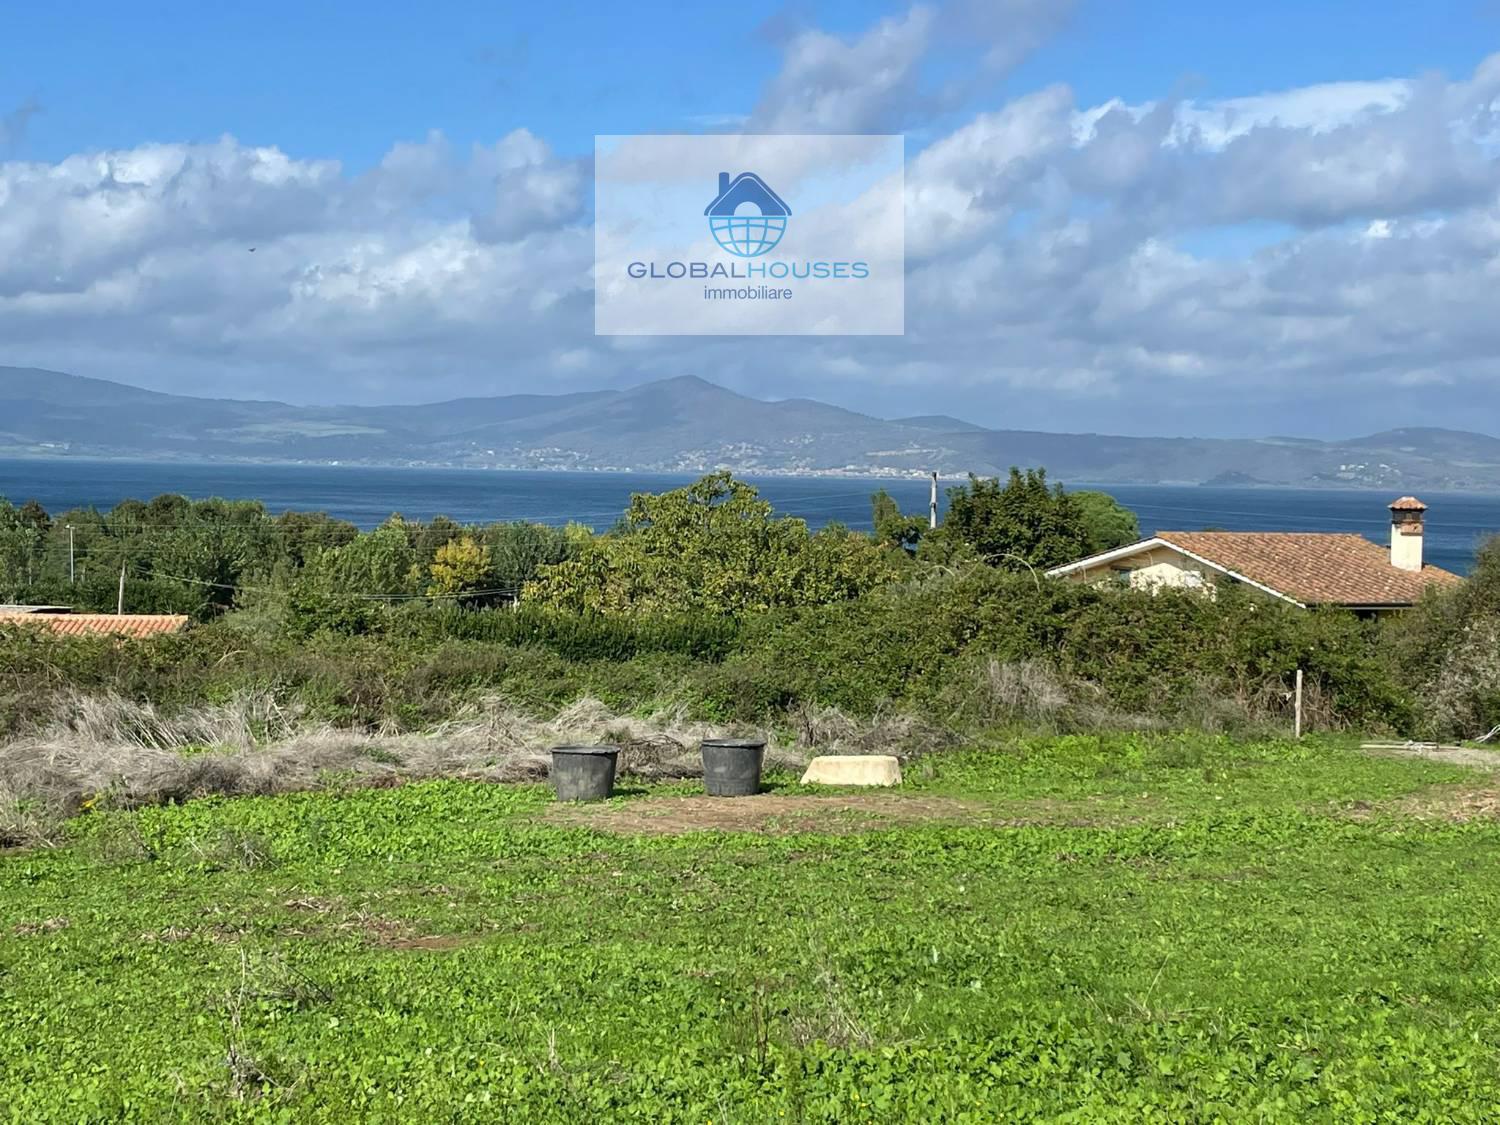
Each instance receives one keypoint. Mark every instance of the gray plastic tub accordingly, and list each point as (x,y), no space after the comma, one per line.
(731,766)
(584,773)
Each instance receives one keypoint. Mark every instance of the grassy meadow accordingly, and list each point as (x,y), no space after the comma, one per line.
(1089,927)
(299,862)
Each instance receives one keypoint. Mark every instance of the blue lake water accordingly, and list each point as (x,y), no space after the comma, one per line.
(1456,524)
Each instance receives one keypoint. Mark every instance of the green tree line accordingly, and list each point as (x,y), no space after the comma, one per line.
(714,546)
(706,590)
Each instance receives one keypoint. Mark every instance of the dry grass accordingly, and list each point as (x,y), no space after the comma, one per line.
(111,752)
(827,730)
(1462,698)
(1455,803)
(1030,694)
(1026,690)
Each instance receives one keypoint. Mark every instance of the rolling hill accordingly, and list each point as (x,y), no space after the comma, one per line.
(687,424)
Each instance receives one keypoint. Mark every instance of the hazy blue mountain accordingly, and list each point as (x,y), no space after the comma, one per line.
(688,424)
(939,423)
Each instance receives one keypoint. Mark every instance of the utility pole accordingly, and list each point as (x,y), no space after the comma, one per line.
(120,605)
(71,579)
(932,507)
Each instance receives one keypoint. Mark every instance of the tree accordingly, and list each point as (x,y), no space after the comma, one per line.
(892,528)
(713,546)
(1108,523)
(379,563)
(458,566)
(427,537)
(519,550)
(345,589)
(304,534)
(20,545)
(32,514)
(1014,526)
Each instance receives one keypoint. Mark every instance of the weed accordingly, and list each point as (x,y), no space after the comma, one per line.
(1129,926)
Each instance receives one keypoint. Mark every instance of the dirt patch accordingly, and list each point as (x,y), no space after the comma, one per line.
(168,936)
(1461,802)
(776,814)
(1456,803)
(434,941)
(1431,752)
(45,926)
(393,933)
(328,919)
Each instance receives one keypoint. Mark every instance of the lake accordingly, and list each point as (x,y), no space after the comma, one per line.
(1456,524)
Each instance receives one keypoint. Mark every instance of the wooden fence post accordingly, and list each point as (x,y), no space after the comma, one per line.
(1297,720)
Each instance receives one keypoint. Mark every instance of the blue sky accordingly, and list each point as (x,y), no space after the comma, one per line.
(416,178)
(347,80)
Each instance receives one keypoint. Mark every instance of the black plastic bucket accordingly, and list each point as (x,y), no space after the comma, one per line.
(731,766)
(584,773)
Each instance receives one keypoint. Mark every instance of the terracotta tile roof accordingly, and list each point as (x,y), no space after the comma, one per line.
(100,624)
(1408,504)
(1313,568)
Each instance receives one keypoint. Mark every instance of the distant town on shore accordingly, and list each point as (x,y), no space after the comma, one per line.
(689,425)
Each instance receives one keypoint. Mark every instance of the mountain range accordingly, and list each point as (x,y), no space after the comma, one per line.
(689,425)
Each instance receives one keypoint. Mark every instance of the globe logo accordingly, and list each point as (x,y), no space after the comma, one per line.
(747,218)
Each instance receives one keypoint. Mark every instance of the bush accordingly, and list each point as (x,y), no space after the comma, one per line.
(713,547)
(591,636)
(1446,652)
(1139,653)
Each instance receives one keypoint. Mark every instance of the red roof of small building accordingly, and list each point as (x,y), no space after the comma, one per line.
(1313,568)
(132,625)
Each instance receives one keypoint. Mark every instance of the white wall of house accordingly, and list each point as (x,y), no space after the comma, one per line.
(1155,568)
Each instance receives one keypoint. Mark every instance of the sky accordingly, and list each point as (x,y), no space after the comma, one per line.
(1147,217)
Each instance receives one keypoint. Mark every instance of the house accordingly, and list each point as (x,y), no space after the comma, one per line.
(1303,568)
(760,228)
(747,187)
(67,623)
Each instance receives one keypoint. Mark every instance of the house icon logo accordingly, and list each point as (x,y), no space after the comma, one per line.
(747,218)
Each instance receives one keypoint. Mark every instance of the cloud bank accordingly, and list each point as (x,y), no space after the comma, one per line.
(1315,261)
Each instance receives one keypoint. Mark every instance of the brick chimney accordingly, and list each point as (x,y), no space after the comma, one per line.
(1406,533)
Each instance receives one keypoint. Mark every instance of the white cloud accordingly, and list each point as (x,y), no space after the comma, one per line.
(1051,277)
(1005,30)
(152,261)
(833,85)
(529,187)
(874,82)
(963,184)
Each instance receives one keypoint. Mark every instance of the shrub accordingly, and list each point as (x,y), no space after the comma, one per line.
(713,547)
(1446,652)
(591,636)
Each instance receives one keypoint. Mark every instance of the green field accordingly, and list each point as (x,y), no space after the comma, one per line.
(1113,928)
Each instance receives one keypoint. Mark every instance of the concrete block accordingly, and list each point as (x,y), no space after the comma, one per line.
(853,769)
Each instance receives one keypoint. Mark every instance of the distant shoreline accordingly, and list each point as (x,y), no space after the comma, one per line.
(809,474)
